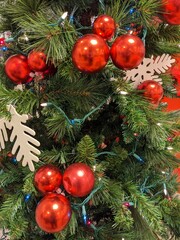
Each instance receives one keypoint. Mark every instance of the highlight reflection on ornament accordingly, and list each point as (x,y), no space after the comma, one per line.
(17,69)
(2,41)
(53,213)
(90,53)
(78,179)
(48,178)
(104,26)
(127,51)
(37,61)
(152,91)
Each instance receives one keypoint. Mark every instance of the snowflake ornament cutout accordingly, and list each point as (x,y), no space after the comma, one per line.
(147,69)
(22,136)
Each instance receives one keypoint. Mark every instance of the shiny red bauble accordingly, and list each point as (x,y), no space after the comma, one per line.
(171,11)
(2,41)
(53,213)
(17,69)
(152,91)
(175,70)
(90,53)
(104,26)
(50,70)
(37,61)
(47,178)
(78,179)
(127,51)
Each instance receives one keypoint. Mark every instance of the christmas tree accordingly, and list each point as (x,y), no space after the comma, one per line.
(88,149)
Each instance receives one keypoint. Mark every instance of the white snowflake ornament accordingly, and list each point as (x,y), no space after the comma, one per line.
(147,69)
(3,133)
(24,144)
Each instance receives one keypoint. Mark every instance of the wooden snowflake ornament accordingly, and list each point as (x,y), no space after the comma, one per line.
(148,68)
(22,136)
(3,133)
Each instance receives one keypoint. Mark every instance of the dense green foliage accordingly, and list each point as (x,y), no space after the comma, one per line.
(122,137)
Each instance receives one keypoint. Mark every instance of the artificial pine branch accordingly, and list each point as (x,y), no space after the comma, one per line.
(163,38)
(143,230)
(18,226)
(119,11)
(11,207)
(28,186)
(170,214)
(123,219)
(86,150)
(159,158)
(125,139)
(57,40)
(25,101)
(58,127)
(73,89)
(23,9)
(168,33)
(151,212)
(54,156)
(147,10)
(6,179)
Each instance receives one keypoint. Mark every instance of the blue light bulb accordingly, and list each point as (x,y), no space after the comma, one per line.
(4,49)
(132,10)
(27,197)
(72,122)
(14,161)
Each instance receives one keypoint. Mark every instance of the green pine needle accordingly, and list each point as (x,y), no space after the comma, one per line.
(86,150)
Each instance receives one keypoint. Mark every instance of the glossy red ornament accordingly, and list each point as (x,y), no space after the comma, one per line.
(175,70)
(90,53)
(104,26)
(50,70)
(127,51)
(17,69)
(37,61)
(78,179)
(2,41)
(152,91)
(47,178)
(171,11)
(53,213)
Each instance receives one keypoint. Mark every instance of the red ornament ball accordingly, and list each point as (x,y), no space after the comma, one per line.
(37,61)
(17,69)
(171,11)
(90,53)
(50,70)
(2,41)
(47,178)
(152,91)
(175,70)
(127,51)
(53,213)
(78,179)
(104,26)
